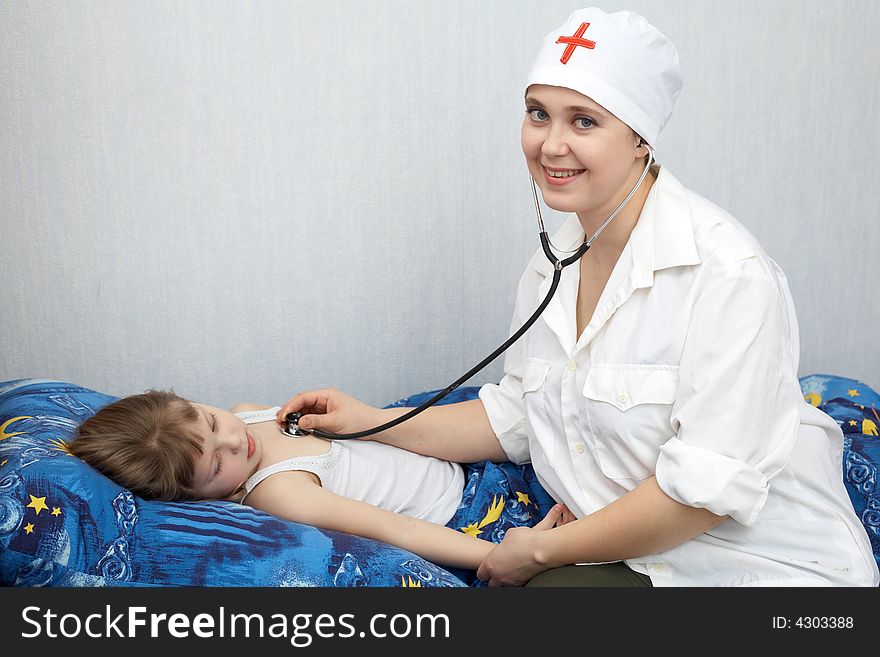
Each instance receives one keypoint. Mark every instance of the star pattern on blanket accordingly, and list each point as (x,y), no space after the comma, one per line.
(492,514)
(37,504)
(6,425)
(60,445)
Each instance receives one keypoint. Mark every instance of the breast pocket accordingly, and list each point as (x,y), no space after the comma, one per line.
(534,374)
(629,409)
(534,380)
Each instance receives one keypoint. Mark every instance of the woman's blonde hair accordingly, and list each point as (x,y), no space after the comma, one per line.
(146,443)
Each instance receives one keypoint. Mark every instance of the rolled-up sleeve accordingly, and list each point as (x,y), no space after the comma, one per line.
(737,409)
(503,404)
(504,401)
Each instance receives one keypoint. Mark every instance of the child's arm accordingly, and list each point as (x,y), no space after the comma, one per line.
(296,496)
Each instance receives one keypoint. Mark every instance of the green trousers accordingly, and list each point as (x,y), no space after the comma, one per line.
(606,574)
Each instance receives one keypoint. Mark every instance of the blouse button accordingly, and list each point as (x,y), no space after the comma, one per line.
(572,366)
(623,397)
(579,448)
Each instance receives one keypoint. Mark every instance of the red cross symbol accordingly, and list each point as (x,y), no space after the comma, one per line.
(574,41)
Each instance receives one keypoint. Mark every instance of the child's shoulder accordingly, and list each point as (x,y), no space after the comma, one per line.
(282,493)
(248,407)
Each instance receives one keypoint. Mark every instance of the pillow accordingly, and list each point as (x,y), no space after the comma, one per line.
(64,524)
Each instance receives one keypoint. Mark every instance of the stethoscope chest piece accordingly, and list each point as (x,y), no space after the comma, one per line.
(291,426)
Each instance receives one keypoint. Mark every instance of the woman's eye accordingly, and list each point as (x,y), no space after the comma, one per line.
(217,471)
(213,422)
(537,114)
(584,122)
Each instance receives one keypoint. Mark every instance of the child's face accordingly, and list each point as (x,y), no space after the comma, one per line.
(231,453)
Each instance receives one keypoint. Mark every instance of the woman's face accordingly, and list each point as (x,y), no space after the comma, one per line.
(580,155)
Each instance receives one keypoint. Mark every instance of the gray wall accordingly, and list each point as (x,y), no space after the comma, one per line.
(240,200)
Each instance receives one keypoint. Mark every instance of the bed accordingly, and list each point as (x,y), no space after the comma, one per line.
(63,524)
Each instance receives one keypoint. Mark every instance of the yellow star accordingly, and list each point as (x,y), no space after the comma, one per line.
(60,445)
(493,512)
(869,428)
(853,423)
(813,398)
(4,435)
(411,583)
(37,504)
(853,393)
(524,498)
(29,528)
(56,510)
(472,529)
(5,461)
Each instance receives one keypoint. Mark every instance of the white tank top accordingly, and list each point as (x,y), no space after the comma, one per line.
(388,477)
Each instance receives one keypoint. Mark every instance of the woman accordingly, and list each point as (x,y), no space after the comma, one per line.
(657,397)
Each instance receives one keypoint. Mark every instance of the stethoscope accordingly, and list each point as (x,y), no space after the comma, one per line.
(291,426)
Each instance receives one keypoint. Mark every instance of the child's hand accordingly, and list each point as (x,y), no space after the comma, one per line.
(565,516)
(331,410)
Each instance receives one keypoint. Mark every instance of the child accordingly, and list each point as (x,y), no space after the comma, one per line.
(161,446)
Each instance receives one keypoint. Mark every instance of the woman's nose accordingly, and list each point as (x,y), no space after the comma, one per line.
(555,143)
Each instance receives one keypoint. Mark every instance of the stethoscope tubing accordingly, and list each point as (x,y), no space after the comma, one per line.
(558,266)
(557,275)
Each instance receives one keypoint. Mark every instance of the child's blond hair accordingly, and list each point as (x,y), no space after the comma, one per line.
(146,443)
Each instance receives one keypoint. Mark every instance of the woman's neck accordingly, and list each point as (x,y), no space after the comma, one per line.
(614,236)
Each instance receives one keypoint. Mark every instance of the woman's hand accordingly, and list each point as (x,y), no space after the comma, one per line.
(515,561)
(331,410)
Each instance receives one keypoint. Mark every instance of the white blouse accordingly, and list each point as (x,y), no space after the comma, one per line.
(687,371)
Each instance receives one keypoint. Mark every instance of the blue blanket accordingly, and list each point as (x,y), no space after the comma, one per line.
(64,524)
(856,408)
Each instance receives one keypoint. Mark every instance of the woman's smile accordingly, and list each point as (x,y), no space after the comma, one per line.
(555,176)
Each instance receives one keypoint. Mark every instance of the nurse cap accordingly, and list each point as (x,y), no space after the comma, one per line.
(619,60)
